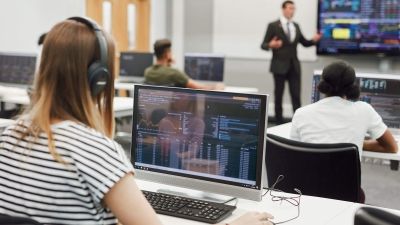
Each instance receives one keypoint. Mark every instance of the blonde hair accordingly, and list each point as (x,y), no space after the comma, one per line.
(61,86)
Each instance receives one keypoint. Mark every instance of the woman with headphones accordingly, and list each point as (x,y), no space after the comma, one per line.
(58,163)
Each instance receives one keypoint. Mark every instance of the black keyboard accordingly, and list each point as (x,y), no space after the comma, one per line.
(188,208)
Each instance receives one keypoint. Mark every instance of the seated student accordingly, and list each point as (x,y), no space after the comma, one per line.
(340,117)
(58,162)
(163,74)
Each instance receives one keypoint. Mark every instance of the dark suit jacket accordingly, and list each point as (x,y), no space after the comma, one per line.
(282,57)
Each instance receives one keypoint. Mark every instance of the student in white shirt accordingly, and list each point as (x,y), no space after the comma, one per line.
(340,117)
(58,163)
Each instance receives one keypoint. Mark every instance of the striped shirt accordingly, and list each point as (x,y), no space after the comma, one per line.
(34,184)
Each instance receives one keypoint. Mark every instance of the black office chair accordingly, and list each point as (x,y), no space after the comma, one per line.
(374,216)
(323,170)
(17,220)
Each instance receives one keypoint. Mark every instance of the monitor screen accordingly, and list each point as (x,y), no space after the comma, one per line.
(17,68)
(359,26)
(216,137)
(133,64)
(206,67)
(381,91)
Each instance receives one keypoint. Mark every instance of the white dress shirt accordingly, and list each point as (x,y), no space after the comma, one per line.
(292,28)
(337,120)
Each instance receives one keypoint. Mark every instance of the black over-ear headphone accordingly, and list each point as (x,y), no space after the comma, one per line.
(98,73)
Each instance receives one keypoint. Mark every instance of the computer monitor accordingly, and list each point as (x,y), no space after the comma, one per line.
(17,69)
(205,67)
(204,140)
(359,27)
(380,90)
(133,64)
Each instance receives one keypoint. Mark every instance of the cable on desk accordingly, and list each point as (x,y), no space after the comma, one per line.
(294,200)
(279,179)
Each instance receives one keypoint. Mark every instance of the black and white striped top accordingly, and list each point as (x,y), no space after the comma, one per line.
(33,184)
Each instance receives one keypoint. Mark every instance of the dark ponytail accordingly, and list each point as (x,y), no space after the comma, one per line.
(339,79)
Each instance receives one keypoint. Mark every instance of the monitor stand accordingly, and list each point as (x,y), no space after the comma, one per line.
(200,195)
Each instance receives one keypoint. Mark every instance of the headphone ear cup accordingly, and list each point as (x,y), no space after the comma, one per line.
(98,77)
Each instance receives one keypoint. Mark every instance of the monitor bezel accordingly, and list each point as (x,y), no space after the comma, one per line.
(199,182)
(130,76)
(206,55)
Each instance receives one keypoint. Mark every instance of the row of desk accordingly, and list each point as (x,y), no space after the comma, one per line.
(123,106)
(131,86)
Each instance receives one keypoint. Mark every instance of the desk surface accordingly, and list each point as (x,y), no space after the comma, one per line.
(251,90)
(313,210)
(5,122)
(7,91)
(284,131)
(123,106)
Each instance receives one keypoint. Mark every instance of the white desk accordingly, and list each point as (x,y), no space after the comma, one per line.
(5,122)
(6,90)
(249,90)
(124,85)
(123,106)
(313,210)
(347,216)
(16,99)
(284,131)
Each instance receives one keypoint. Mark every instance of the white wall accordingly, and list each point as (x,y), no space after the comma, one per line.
(177,34)
(23,21)
(198,27)
(158,21)
(240,25)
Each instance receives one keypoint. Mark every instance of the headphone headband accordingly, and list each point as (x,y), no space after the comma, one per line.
(99,36)
(98,73)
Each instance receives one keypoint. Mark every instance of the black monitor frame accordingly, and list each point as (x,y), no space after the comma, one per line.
(27,78)
(193,181)
(208,56)
(138,69)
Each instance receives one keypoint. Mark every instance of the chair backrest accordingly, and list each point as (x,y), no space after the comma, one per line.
(17,220)
(374,216)
(323,170)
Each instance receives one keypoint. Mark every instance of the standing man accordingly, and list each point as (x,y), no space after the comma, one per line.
(282,37)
